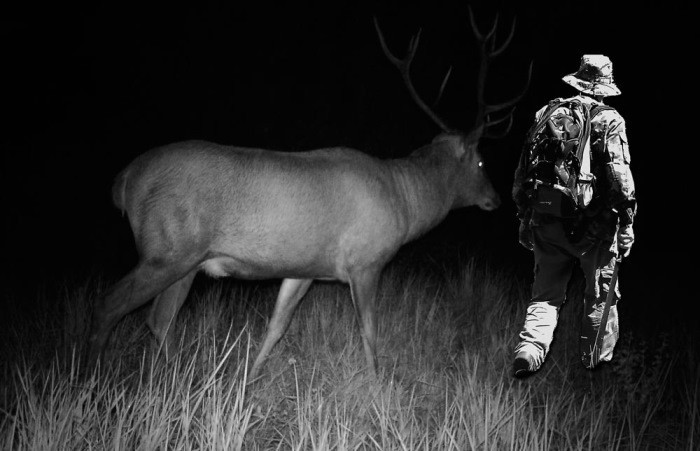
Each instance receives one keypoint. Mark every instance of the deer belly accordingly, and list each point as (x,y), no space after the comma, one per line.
(227,266)
(224,266)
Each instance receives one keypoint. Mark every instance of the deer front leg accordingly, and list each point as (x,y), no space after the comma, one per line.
(363,288)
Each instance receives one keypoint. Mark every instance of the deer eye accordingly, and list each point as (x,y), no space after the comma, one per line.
(480,164)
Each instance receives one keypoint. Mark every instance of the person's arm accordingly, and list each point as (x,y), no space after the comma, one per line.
(621,194)
(620,181)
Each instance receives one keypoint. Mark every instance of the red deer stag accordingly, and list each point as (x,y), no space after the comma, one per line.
(326,214)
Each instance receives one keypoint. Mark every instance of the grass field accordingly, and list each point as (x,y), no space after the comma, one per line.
(445,349)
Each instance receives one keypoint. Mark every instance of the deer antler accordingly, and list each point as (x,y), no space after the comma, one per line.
(404,67)
(488,51)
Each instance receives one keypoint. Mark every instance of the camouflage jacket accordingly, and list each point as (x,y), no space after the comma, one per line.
(610,163)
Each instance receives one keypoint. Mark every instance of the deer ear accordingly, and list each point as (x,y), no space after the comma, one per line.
(442,137)
(462,148)
(461,152)
(456,145)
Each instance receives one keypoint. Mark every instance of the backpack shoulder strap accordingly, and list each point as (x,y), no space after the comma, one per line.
(584,149)
(590,114)
(598,109)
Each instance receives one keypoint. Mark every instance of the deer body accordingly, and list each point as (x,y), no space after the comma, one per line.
(256,213)
(330,214)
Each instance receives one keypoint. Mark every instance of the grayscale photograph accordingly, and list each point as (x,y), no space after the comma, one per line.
(446,225)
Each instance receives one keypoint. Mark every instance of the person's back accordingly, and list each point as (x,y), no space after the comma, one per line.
(592,237)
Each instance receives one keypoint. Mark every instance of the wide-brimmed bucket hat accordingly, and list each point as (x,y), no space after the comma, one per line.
(594,76)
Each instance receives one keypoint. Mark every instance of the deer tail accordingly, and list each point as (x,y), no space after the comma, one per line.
(119,190)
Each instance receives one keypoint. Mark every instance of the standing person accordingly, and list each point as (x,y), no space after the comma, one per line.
(594,237)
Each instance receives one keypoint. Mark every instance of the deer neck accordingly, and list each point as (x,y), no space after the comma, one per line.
(424,194)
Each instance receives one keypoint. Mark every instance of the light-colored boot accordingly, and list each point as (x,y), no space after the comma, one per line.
(535,337)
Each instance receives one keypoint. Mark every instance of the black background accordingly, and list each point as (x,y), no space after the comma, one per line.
(87,87)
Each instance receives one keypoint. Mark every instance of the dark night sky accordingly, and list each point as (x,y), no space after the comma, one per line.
(87,88)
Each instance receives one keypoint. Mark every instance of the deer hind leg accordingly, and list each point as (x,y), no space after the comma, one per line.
(363,288)
(164,310)
(291,292)
(139,286)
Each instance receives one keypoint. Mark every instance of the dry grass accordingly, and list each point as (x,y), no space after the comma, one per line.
(446,341)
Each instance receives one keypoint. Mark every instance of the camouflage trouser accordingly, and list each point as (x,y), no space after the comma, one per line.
(555,258)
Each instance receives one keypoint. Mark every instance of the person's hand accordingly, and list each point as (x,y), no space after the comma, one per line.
(625,238)
(525,235)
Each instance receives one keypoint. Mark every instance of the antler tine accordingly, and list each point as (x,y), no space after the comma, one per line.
(506,43)
(412,46)
(442,86)
(475,29)
(497,107)
(508,117)
(404,67)
(492,108)
(489,40)
(488,51)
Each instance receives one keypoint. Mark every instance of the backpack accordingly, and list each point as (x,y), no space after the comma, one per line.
(558,179)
